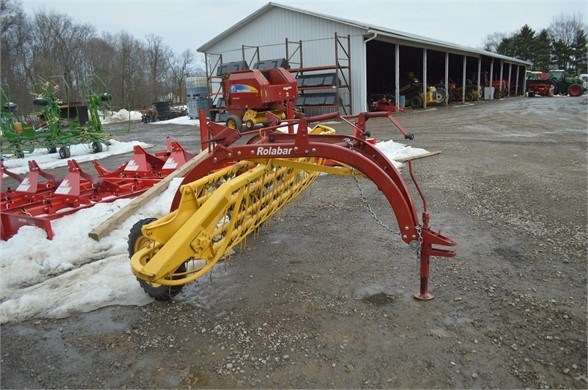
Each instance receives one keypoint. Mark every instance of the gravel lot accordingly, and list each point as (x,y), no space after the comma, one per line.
(323,298)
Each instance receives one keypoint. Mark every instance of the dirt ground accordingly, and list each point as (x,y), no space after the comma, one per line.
(323,298)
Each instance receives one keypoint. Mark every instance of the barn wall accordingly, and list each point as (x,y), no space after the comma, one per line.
(270,30)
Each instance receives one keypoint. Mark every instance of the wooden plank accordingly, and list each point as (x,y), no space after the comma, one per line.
(121,215)
(405,159)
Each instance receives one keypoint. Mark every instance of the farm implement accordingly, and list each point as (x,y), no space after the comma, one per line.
(252,95)
(236,186)
(61,126)
(556,82)
(37,202)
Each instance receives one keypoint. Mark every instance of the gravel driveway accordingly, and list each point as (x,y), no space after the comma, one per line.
(323,298)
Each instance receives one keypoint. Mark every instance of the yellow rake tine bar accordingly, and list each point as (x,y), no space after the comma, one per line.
(197,229)
(311,167)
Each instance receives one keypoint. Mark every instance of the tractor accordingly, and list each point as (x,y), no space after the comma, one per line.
(541,83)
(455,92)
(412,89)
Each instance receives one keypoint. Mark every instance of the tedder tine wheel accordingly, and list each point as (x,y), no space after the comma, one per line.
(234,122)
(137,241)
(64,152)
(96,147)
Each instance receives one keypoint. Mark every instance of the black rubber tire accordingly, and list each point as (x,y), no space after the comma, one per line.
(416,101)
(64,152)
(234,122)
(469,97)
(249,124)
(96,147)
(135,242)
(575,90)
(441,96)
(40,102)
(51,149)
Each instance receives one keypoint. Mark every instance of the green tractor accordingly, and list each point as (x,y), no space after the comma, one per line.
(566,85)
(556,82)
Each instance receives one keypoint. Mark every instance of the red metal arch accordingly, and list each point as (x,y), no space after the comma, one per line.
(349,150)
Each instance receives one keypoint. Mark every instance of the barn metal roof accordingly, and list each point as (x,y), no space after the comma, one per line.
(368,28)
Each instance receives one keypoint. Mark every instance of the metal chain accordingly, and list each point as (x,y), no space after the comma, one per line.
(368,206)
(420,240)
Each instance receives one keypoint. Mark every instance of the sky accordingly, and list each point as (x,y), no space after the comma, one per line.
(65,276)
(188,24)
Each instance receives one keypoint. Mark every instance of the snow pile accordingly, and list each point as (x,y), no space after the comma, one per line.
(395,151)
(120,116)
(182,120)
(80,153)
(72,273)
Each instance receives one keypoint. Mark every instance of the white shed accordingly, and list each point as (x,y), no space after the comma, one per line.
(367,59)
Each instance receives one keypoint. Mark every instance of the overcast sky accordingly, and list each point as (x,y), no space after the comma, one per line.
(187,24)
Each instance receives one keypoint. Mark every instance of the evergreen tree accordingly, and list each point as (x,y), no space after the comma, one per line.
(507,46)
(524,43)
(560,55)
(542,51)
(578,53)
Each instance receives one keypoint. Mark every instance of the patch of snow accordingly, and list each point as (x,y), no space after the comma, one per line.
(73,273)
(182,120)
(121,115)
(394,150)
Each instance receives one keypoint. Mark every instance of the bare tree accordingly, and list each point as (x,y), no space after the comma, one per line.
(492,41)
(130,60)
(180,68)
(48,45)
(62,42)
(564,28)
(158,54)
(16,55)
(568,38)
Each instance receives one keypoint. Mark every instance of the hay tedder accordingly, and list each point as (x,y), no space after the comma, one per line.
(61,124)
(235,186)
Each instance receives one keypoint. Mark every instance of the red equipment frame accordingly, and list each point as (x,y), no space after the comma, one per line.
(36,203)
(354,151)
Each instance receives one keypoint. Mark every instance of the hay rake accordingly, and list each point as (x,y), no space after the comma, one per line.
(235,188)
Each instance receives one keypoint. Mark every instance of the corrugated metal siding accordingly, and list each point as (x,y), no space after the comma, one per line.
(270,30)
